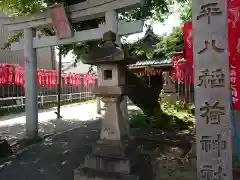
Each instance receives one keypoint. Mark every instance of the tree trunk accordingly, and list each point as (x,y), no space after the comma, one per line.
(144,96)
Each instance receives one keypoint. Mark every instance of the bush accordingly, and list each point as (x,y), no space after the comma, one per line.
(140,120)
(163,122)
(179,106)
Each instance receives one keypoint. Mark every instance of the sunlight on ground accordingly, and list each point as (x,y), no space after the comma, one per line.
(179,114)
(78,111)
(82,111)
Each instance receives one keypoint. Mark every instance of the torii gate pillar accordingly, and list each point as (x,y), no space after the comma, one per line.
(30,65)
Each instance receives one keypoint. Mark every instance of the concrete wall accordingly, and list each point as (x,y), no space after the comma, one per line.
(79,69)
(46,56)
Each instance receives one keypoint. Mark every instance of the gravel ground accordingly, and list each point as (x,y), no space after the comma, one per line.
(171,166)
(57,157)
(12,127)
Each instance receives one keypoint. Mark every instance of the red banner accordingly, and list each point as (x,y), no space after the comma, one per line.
(53,78)
(14,74)
(234,49)
(47,78)
(65,76)
(88,79)
(72,79)
(233,3)
(10,73)
(39,77)
(188,44)
(179,68)
(19,75)
(78,80)
(3,73)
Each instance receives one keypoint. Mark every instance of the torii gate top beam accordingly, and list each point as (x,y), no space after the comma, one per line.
(89,9)
(81,36)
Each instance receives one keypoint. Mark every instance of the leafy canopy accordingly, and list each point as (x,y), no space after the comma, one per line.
(152,9)
(186,11)
(172,43)
(175,41)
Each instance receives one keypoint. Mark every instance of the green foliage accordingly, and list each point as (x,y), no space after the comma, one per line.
(152,9)
(12,39)
(172,43)
(164,121)
(186,11)
(167,44)
(179,106)
(20,7)
(175,41)
(140,120)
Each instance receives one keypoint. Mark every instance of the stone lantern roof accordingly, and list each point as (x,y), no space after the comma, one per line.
(109,53)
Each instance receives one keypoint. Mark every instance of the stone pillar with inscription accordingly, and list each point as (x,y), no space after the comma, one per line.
(212,90)
(113,155)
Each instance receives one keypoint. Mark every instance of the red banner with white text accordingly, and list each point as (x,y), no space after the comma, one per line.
(179,68)
(234,49)
(188,44)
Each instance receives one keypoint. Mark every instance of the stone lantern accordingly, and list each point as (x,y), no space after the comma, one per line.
(114,153)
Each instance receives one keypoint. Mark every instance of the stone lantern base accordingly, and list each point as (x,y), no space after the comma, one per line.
(114,154)
(137,166)
(109,160)
(101,175)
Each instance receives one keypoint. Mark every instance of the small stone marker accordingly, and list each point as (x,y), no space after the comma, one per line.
(212,90)
(168,92)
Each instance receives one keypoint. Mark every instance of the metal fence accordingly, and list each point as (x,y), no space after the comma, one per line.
(42,100)
(185,93)
(12,97)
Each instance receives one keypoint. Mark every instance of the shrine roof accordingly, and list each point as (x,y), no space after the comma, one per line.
(149,37)
(152,62)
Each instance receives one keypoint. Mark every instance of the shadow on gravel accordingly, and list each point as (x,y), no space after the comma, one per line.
(55,158)
(58,156)
(17,131)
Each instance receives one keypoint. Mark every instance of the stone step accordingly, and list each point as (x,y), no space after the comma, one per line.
(85,173)
(117,149)
(111,156)
(108,164)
